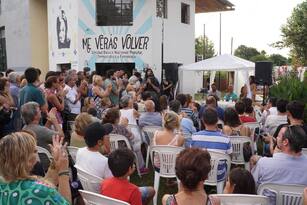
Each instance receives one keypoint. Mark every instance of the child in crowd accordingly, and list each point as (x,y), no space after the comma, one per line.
(121,163)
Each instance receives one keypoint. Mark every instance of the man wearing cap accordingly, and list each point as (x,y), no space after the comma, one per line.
(89,158)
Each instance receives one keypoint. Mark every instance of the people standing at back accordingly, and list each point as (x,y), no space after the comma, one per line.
(30,92)
(99,93)
(111,81)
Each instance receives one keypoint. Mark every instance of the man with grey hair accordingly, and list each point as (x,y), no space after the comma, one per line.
(73,96)
(150,117)
(14,79)
(31,115)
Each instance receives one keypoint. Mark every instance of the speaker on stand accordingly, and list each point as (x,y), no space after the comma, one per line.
(263,75)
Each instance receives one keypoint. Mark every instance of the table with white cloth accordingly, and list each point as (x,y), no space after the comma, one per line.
(225,104)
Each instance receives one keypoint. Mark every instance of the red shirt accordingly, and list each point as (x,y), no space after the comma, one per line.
(121,189)
(244,119)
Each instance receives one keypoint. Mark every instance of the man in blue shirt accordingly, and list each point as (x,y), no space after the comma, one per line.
(30,93)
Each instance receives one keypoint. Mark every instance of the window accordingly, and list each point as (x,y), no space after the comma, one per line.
(161,9)
(2,50)
(185,13)
(114,12)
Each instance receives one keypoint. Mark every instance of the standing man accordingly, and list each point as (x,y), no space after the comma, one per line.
(114,94)
(30,92)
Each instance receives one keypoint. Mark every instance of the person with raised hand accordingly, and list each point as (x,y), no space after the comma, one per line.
(17,158)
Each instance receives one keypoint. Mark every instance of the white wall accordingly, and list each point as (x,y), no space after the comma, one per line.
(143,12)
(68,51)
(16,19)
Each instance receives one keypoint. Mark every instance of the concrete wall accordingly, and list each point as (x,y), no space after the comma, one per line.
(16,19)
(39,35)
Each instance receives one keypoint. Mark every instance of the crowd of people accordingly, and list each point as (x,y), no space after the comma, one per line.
(82,109)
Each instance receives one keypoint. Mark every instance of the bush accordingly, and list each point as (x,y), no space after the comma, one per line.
(290,88)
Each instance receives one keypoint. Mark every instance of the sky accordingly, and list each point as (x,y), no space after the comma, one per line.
(254,23)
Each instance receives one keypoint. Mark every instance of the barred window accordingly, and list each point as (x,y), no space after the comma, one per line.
(114,12)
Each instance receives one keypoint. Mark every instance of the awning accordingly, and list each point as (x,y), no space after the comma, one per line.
(204,6)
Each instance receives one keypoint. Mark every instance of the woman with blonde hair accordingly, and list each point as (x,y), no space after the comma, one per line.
(170,135)
(99,93)
(81,122)
(17,158)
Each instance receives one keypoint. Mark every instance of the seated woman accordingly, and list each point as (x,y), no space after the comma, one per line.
(232,124)
(119,127)
(81,122)
(17,157)
(170,135)
(240,181)
(192,169)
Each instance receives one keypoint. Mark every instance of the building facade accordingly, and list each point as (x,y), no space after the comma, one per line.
(101,34)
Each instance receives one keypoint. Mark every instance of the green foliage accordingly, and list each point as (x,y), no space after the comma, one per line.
(246,52)
(199,47)
(260,57)
(278,60)
(294,34)
(290,88)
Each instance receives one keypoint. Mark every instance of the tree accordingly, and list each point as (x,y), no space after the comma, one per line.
(199,47)
(246,52)
(294,34)
(278,60)
(260,57)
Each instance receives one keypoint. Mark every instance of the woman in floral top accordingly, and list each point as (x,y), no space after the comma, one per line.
(17,157)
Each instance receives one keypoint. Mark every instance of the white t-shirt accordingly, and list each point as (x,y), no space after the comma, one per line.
(273,121)
(71,95)
(93,162)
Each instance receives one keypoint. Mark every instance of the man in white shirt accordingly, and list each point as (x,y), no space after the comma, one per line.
(271,109)
(273,121)
(72,96)
(89,158)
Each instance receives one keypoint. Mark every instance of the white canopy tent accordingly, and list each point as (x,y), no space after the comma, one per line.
(226,62)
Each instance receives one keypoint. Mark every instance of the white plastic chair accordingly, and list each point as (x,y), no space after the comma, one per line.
(238,199)
(73,152)
(43,151)
(167,156)
(89,182)
(137,129)
(237,143)
(216,157)
(114,144)
(150,132)
(91,198)
(253,126)
(304,151)
(285,194)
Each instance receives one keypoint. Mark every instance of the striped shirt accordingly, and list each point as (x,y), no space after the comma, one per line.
(191,115)
(214,141)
